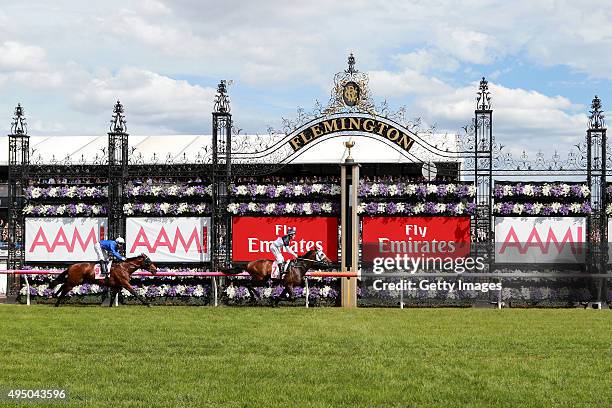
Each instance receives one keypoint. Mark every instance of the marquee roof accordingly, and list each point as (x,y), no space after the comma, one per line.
(178,147)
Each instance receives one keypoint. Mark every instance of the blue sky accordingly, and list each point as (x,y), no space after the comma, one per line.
(68,61)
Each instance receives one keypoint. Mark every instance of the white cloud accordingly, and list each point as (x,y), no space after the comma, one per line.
(18,56)
(149,98)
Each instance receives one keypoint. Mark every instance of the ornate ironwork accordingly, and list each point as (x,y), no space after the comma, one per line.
(483,96)
(18,170)
(596,117)
(222,103)
(117,171)
(221,178)
(19,125)
(118,122)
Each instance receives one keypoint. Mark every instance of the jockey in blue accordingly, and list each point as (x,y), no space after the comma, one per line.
(106,249)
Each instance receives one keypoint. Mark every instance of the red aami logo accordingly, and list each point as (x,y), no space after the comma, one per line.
(170,245)
(534,240)
(62,241)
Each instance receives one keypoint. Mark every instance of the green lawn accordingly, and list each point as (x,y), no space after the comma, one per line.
(290,357)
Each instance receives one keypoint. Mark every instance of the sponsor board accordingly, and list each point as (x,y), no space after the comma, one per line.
(169,239)
(429,237)
(540,239)
(252,236)
(63,239)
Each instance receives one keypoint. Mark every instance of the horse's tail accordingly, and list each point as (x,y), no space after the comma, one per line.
(61,278)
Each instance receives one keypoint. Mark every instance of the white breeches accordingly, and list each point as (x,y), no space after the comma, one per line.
(102,255)
(277,254)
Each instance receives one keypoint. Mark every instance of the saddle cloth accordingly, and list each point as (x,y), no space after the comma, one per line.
(275,271)
(98,270)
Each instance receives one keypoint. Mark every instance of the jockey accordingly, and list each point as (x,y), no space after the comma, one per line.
(107,247)
(278,245)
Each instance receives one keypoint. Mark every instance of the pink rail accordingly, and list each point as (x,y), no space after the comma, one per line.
(213,275)
(317,274)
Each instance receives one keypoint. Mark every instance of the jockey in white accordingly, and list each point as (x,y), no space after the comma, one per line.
(277,246)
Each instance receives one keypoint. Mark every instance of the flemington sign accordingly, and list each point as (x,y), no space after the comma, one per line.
(353,123)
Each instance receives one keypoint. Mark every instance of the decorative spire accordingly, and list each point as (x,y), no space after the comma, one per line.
(483,96)
(222,103)
(596,119)
(351,65)
(118,122)
(19,126)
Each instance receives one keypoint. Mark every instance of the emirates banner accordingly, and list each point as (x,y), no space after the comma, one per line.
(426,237)
(252,236)
(169,239)
(540,239)
(63,239)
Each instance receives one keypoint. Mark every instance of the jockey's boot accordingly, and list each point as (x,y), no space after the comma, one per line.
(281,268)
(104,268)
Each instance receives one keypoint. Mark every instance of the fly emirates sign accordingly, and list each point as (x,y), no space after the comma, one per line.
(252,236)
(415,237)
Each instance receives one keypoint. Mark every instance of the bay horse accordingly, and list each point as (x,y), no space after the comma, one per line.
(118,278)
(261,272)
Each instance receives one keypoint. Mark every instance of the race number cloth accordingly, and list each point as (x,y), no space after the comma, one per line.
(169,239)
(63,239)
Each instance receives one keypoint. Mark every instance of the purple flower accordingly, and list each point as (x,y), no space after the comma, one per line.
(371,208)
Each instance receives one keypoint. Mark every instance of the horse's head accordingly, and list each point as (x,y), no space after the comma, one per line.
(147,264)
(318,256)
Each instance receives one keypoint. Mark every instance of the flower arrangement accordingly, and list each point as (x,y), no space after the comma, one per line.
(284,190)
(169,190)
(309,208)
(433,208)
(165,208)
(81,192)
(420,190)
(366,189)
(556,208)
(555,190)
(236,293)
(64,209)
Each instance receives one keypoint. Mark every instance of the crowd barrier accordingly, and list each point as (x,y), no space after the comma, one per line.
(213,275)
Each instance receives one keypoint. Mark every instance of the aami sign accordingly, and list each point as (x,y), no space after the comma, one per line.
(169,239)
(540,239)
(63,239)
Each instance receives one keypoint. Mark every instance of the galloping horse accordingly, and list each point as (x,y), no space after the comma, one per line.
(261,272)
(119,277)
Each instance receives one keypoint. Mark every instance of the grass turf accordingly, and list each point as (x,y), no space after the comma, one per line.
(291,357)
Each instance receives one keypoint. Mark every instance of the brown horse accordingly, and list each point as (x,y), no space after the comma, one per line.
(261,272)
(118,278)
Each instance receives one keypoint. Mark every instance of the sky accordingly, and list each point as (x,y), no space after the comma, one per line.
(68,61)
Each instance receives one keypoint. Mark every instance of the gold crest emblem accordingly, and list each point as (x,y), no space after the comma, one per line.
(351,93)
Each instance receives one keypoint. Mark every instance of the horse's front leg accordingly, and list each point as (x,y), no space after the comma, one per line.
(63,292)
(111,291)
(136,295)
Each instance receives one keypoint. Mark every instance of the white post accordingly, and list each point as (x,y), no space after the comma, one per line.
(116,300)
(307,291)
(215,294)
(28,289)
(401,295)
